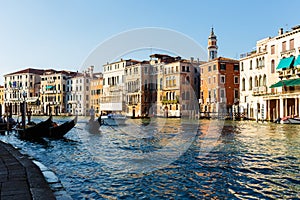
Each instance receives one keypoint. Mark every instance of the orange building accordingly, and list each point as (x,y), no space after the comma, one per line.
(219,89)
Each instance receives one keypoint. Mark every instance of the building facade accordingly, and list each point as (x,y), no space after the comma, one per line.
(21,86)
(78,92)
(219,89)
(53,91)
(138,88)
(2,107)
(219,85)
(114,98)
(96,92)
(177,86)
(269,77)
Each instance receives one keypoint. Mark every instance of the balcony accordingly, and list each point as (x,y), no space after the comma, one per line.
(263,89)
(288,53)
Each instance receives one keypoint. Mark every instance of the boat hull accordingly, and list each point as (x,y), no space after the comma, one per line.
(111,121)
(290,121)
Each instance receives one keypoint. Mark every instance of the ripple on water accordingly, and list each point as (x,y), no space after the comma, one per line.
(249,161)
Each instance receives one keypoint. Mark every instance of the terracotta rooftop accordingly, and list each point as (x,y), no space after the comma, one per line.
(27,71)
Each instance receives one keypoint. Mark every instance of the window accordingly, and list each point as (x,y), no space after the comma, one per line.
(222,79)
(283,46)
(214,79)
(202,70)
(273,49)
(209,68)
(243,84)
(236,94)
(176,68)
(250,65)
(183,68)
(272,66)
(236,67)
(209,80)
(236,80)
(222,93)
(292,44)
(215,67)
(223,66)
(242,66)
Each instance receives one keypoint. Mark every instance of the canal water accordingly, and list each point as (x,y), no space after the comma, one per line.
(173,159)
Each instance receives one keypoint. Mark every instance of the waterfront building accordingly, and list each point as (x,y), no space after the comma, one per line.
(96,92)
(114,98)
(138,89)
(20,86)
(1,99)
(270,77)
(78,92)
(177,85)
(219,81)
(53,91)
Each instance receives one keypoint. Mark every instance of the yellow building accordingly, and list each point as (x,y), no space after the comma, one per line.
(177,86)
(96,92)
(1,99)
(53,91)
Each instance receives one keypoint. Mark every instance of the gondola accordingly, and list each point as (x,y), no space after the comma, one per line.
(60,130)
(93,126)
(39,130)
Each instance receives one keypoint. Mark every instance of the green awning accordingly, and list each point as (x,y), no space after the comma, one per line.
(290,82)
(297,61)
(49,87)
(285,63)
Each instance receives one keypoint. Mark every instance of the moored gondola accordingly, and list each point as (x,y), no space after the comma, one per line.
(60,130)
(39,130)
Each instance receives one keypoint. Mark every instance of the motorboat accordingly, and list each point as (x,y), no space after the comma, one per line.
(112,120)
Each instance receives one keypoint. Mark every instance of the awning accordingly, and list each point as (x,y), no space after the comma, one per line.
(49,87)
(290,82)
(285,63)
(297,61)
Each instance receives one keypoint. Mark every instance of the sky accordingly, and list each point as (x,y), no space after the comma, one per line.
(61,34)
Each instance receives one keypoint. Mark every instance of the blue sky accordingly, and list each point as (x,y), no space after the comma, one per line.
(61,34)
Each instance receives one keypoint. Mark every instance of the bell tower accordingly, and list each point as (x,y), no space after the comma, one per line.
(212,45)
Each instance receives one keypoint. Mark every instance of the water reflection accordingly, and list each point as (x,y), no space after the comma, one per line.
(236,161)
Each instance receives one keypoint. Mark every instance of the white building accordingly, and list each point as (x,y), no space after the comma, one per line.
(113,99)
(271,63)
(78,93)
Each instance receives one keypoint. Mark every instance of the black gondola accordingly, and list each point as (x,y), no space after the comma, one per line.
(60,130)
(39,130)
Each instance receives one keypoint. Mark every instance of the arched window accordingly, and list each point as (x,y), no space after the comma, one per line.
(188,79)
(260,81)
(243,84)
(255,81)
(272,66)
(265,80)
(250,65)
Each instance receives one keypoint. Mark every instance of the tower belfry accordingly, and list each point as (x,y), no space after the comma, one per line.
(212,45)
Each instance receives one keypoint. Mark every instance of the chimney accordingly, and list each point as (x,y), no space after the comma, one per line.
(280,31)
(192,59)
